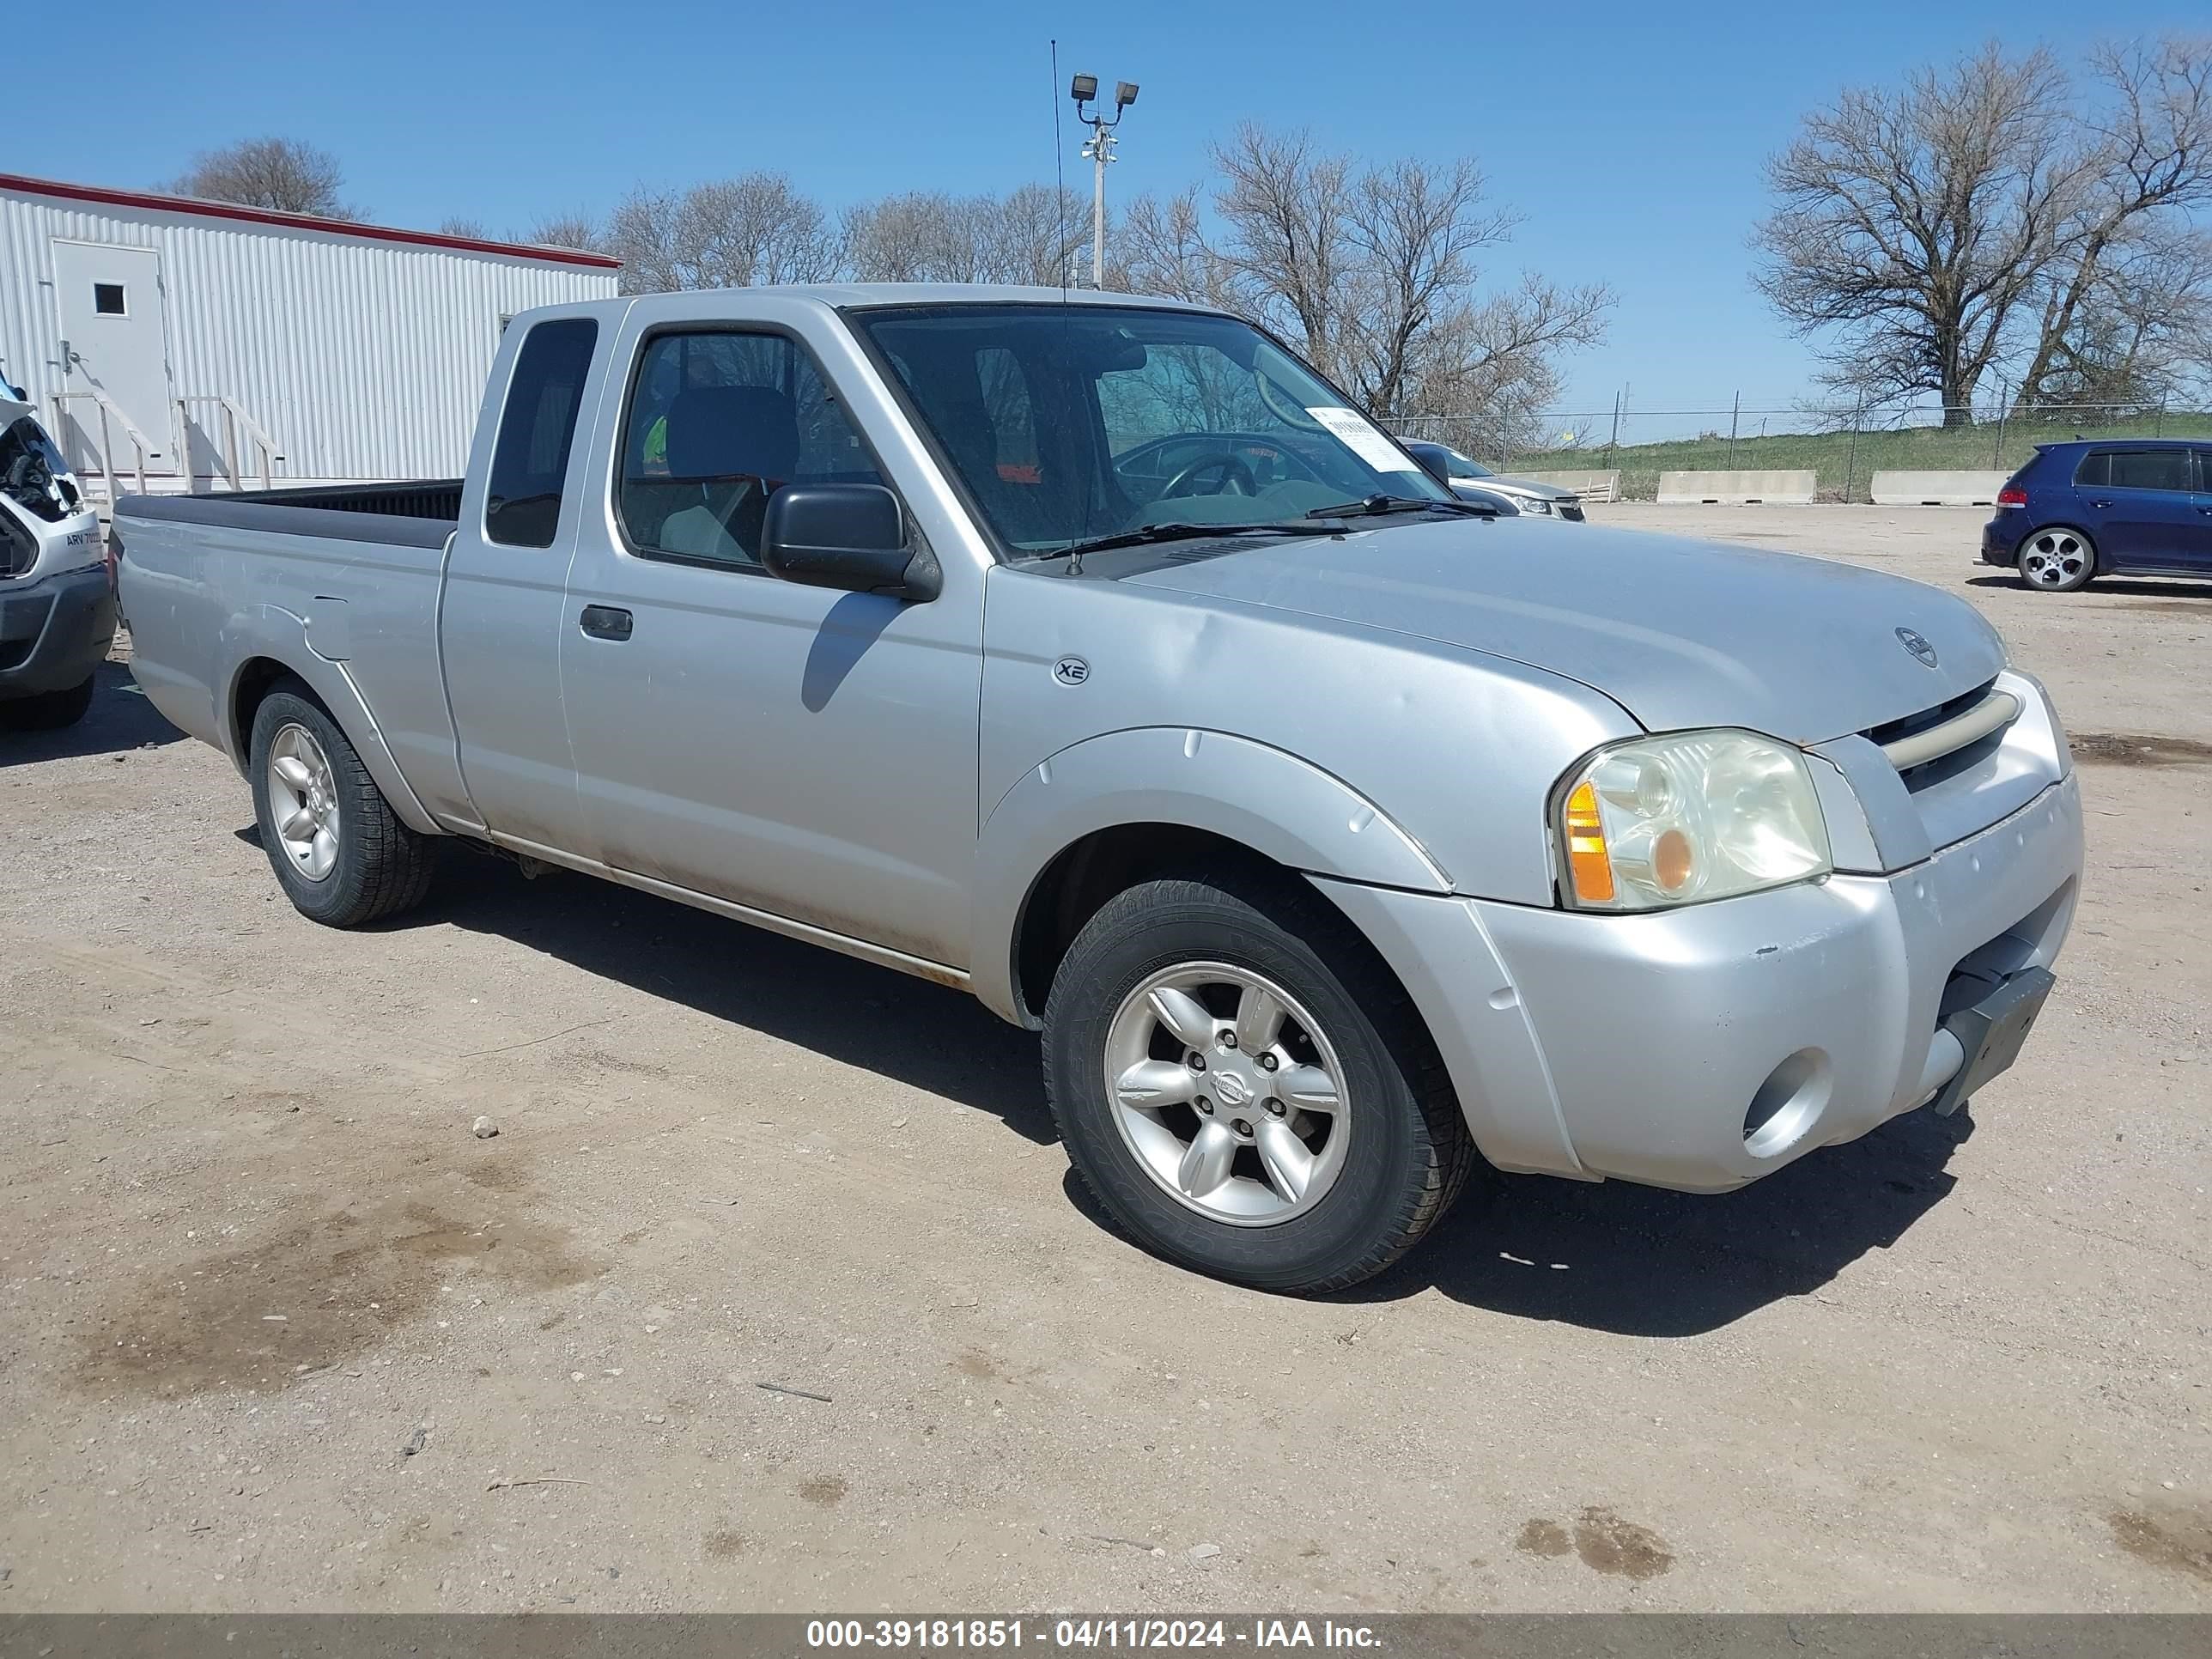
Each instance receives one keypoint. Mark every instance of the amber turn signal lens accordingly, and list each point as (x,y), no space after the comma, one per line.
(1587,862)
(1673,861)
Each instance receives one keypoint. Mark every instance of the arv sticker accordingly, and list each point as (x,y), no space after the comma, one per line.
(1362,438)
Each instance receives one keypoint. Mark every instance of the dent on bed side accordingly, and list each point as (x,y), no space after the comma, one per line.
(276,638)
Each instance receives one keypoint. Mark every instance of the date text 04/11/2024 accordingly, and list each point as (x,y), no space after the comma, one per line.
(1084,1633)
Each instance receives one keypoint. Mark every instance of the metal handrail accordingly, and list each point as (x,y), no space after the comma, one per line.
(235,419)
(108,412)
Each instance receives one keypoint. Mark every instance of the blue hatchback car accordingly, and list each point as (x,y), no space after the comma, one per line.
(2141,506)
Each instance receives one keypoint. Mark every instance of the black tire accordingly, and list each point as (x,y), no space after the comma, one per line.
(1408,1154)
(2058,548)
(382,867)
(47,711)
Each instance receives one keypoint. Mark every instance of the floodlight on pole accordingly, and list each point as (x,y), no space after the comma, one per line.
(1099,148)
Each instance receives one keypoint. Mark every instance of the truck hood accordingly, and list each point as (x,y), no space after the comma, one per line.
(1679,633)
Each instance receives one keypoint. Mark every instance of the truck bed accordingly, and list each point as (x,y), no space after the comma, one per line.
(416,513)
(338,586)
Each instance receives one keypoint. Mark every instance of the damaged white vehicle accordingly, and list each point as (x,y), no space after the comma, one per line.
(57,603)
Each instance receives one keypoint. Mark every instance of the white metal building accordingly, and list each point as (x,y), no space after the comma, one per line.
(209,345)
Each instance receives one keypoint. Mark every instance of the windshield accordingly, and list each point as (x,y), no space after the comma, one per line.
(1069,423)
(1462,467)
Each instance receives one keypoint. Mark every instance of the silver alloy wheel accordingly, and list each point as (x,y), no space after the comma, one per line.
(1240,1113)
(303,801)
(2053,558)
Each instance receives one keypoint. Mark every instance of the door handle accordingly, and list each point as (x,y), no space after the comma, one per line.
(2101,503)
(604,622)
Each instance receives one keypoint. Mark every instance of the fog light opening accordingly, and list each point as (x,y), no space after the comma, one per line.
(1787,1104)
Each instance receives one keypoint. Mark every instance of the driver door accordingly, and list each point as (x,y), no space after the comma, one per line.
(801,751)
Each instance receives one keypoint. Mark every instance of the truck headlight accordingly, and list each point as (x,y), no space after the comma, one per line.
(1657,822)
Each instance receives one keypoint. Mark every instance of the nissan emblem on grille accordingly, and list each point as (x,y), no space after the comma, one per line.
(1917,645)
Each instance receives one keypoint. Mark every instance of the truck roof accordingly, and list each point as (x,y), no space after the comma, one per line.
(847,295)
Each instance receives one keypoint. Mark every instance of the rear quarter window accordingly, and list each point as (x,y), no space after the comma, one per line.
(2096,468)
(537,427)
(2150,469)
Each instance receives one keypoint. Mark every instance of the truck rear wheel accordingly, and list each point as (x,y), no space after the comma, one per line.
(47,711)
(1245,1088)
(341,854)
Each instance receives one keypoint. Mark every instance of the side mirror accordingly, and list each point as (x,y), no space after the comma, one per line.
(847,536)
(1434,465)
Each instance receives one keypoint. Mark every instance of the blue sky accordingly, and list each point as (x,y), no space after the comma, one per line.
(1631,136)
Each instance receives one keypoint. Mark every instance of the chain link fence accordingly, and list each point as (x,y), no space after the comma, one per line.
(1843,446)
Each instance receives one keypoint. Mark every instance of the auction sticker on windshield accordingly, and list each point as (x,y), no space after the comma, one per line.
(1362,438)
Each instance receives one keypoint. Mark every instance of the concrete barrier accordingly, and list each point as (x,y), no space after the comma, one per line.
(1735,489)
(1590,486)
(1936,489)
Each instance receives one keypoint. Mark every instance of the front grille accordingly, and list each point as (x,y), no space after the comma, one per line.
(1912,725)
(1938,744)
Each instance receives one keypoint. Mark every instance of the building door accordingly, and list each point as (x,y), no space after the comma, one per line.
(110,301)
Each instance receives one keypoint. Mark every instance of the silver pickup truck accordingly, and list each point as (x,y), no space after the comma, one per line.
(1094,655)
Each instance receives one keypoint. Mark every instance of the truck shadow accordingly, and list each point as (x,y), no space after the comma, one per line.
(120,719)
(1611,1257)
(926,1036)
(1638,1261)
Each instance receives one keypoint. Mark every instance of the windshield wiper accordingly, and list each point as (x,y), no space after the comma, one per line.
(1375,506)
(1178,530)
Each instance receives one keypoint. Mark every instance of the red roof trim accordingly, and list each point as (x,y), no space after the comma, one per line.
(139,198)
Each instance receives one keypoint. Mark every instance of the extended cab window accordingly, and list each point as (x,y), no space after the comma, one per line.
(530,463)
(2150,469)
(718,421)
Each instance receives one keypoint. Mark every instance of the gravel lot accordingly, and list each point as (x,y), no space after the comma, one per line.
(281,1333)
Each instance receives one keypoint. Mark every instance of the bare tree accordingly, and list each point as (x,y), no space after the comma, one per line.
(1989,210)
(1918,219)
(1161,248)
(459,226)
(917,237)
(282,174)
(572,230)
(730,233)
(1030,236)
(1285,245)
(2122,277)
(1372,273)
(2139,332)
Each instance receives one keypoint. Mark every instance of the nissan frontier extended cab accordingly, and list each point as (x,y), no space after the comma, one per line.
(1094,655)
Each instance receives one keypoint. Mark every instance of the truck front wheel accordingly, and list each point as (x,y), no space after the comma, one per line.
(341,854)
(1245,1088)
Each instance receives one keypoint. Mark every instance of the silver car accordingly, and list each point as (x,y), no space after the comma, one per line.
(1095,656)
(1473,481)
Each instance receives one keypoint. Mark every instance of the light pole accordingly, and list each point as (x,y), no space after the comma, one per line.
(1084,89)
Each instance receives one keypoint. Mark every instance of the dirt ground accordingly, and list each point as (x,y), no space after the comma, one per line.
(281,1333)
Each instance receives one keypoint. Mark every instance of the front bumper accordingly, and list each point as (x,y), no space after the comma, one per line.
(54,630)
(1646,1047)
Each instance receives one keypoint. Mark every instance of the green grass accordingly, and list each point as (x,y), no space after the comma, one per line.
(1835,455)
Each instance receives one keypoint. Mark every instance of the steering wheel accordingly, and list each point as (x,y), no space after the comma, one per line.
(1231,468)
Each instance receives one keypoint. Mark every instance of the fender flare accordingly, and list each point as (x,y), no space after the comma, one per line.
(1260,797)
(269,631)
